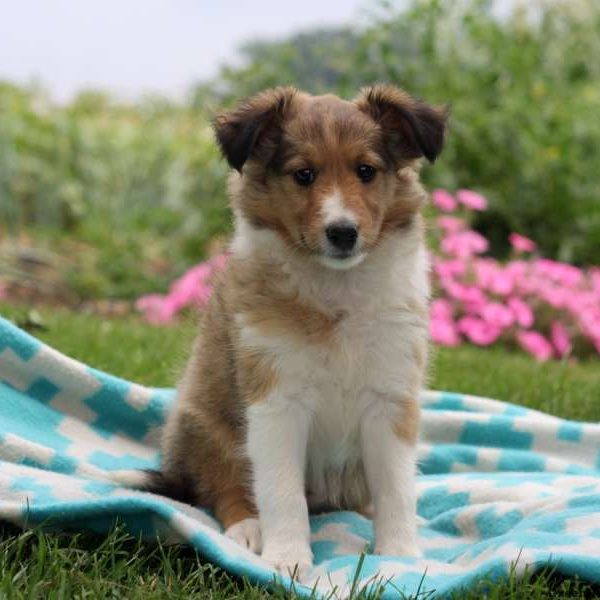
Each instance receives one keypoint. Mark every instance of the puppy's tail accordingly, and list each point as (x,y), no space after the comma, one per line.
(157,482)
(163,484)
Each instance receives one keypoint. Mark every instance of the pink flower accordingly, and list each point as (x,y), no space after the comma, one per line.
(471,296)
(497,314)
(189,287)
(478,331)
(503,283)
(464,244)
(450,224)
(581,301)
(555,296)
(449,268)
(570,275)
(471,199)
(443,332)
(521,311)
(441,309)
(443,200)
(595,279)
(193,288)
(156,309)
(521,244)
(589,321)
(492,277)
(518,268)
(515,275)
(485,271)
(560,272)
(560,338)
(536,344)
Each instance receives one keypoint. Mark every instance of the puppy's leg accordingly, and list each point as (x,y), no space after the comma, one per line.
(235,510)
(277,438)
(388,438)
(197,453)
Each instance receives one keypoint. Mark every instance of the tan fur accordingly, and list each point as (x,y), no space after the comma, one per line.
(204,438)
(407,428)
(233,504)
(269,301)
(257,375)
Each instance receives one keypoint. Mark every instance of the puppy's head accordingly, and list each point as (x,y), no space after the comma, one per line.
(330,177)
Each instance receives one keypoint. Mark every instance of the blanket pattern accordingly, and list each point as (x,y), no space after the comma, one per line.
(500,487)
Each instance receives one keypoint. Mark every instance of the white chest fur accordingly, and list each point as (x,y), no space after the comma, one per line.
(368,357)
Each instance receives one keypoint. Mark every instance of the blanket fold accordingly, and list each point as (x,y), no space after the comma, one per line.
(499,484)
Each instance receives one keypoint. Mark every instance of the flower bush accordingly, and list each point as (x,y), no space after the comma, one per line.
(548,308)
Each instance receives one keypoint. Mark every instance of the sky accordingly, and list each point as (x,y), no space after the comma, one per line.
(132,47)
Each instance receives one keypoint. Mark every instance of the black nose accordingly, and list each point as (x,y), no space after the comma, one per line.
(342,236)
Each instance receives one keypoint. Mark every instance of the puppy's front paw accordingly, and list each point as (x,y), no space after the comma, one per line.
(398,548)
(246,533)
(292,560)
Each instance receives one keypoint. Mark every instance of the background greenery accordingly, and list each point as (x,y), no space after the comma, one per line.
(121,198)
(132,192)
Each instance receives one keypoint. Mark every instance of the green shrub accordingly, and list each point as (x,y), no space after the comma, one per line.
(153,165)
(136,185)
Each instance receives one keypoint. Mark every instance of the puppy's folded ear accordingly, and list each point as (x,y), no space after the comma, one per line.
(253,129)
(411,128)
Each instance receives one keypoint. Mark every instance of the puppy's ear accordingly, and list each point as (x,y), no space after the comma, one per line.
(411,128)
(253,129)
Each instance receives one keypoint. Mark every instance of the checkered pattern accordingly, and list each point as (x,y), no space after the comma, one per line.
(500,484)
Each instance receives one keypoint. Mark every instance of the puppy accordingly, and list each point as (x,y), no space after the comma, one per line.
(302,390)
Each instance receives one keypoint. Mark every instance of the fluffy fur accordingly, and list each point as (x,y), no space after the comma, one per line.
(302,388)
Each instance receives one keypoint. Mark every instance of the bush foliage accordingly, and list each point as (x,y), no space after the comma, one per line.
(144,187)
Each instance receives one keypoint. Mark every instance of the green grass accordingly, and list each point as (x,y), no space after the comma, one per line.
(43,565)
(126,347)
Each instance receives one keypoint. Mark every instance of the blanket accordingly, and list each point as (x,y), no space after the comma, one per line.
(501,487)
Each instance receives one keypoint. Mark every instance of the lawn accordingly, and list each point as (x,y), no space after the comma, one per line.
(41,565)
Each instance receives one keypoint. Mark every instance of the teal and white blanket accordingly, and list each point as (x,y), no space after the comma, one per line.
(500,484)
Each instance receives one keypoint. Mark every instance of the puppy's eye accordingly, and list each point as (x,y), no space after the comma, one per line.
(365,173)
(304,176)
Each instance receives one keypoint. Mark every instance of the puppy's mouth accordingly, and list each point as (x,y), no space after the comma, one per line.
(333,258)
(341,261)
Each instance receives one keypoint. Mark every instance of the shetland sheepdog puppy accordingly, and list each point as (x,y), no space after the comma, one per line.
(302,390)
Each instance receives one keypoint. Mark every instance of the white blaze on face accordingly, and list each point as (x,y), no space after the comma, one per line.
(334,210)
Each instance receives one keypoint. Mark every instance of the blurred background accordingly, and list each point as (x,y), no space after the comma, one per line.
(111,185)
